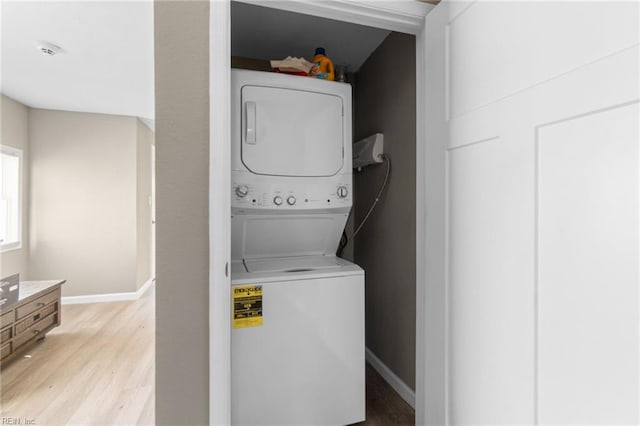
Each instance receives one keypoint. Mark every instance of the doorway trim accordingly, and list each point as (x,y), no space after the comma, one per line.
(401,16)
(219,212)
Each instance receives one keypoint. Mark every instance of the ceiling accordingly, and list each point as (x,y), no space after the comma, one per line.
(106,62)
(266,33)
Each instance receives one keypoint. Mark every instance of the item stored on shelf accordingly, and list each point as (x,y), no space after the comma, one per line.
(291,65)
(322,66)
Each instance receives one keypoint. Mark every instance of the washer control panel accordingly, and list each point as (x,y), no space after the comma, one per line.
(290,195)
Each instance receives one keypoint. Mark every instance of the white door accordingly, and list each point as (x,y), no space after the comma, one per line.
(532,222)
(280,138)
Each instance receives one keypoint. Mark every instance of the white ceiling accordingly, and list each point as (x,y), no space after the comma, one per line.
(106,63)
(266,33)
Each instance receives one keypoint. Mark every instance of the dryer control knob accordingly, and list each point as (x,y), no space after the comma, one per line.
(277,200)
(291,200)
(242,191)
(343,191)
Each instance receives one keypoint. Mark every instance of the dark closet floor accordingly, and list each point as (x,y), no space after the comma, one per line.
(384,405)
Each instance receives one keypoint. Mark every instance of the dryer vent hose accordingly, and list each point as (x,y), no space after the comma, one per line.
(345,240)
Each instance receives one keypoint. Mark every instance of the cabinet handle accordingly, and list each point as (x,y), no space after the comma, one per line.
(40,304)
(36,331)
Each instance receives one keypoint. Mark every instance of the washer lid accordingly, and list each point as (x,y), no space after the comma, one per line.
(276,236)
(288,132)
(293,264)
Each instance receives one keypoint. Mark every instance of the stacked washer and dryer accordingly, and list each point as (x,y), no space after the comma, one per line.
(297,342)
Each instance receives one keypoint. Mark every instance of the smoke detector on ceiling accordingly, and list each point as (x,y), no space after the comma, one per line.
(47,48)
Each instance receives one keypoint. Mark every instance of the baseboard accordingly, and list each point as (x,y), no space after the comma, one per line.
(109,297)
(389,376)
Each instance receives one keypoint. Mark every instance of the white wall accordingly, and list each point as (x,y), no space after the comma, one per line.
(14,123)
(83,201)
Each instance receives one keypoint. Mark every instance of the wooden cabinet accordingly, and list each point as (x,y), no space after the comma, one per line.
(36,312)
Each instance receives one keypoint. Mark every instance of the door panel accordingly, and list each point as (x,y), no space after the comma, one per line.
(532,152)
(528,43)
(279,138)
(588,268)
(490,253)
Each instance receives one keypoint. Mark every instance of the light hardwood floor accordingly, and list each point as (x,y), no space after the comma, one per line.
(97,368)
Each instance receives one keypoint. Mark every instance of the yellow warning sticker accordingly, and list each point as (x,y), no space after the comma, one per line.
(247,306)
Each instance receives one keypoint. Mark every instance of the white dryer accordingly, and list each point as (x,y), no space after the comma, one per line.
(297,343)
(291,164)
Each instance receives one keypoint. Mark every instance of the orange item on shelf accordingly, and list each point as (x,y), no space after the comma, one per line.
(323,66)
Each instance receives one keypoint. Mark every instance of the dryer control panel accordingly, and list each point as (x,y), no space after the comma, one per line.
(291,196)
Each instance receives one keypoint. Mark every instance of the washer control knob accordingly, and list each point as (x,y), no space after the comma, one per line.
(343,191)
(291,200)
(277,200)
(242,191)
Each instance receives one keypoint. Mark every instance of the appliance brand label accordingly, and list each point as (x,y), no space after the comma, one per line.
(247,306)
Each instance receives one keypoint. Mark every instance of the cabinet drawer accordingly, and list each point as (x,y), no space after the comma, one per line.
(34,331)
(5,350)
(6,318)
(34,317)
(6,334)
(40,302)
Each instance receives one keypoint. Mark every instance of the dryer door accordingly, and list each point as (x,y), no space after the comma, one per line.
(288,132)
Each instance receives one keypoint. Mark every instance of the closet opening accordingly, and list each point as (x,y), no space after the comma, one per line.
(380,233)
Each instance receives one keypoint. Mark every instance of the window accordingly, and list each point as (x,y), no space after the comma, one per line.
(10,185)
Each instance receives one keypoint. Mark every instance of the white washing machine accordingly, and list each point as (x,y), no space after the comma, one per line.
(304,365)
(297,342)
